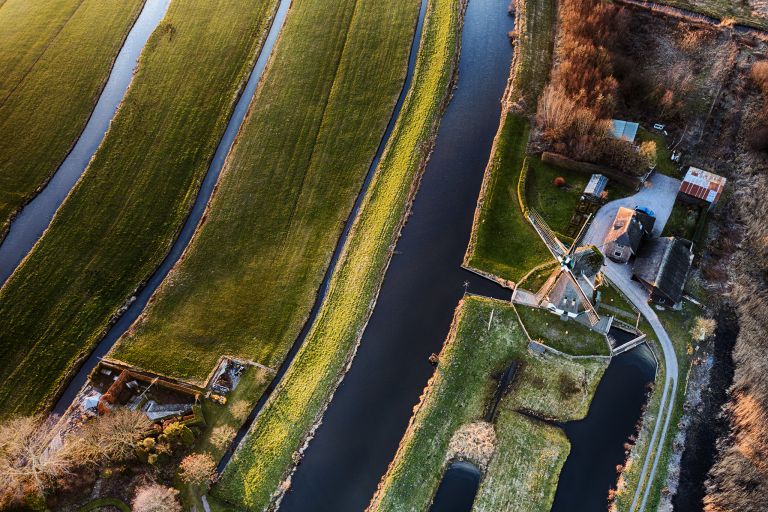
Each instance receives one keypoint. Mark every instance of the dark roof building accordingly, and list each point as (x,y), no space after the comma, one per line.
(626,234)
(662,266)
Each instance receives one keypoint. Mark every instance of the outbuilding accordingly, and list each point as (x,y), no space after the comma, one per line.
(596,186)
(662,267)
(701,187)
(625,130)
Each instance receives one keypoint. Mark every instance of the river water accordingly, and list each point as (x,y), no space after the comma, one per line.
(370,411)
(192,221)
(34,218)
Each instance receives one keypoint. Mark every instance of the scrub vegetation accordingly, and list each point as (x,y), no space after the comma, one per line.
(503,243)
(118,222)
(523,472)
(292,179)
(266,456)
(55,57)
(753,13)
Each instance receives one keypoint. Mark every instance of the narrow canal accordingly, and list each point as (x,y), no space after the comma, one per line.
(29,225)
(597,441)
(370,411)
(192,221)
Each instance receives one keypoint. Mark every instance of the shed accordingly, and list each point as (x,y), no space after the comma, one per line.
(701,187)
(626,234)
(596,185)
(662,267)
(625,130)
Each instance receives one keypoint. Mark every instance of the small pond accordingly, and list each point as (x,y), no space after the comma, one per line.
(458,488)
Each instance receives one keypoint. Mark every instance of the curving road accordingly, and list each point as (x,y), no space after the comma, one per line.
(658,194)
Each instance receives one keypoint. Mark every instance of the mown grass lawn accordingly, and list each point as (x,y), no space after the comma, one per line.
(523,473)
(265,456)
(251,275)
(120,219)
(504,243)
(664,163)
(55,57)
(569,336)
(555,204)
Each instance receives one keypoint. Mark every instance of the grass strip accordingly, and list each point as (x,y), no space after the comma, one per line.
(503,243)
(741,12)
(529,454)
(265,457)
(104,503)
(56,56)
(120,219)
(292,179)
(534,38)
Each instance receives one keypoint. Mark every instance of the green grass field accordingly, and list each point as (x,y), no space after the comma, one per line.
(265,456)
(299,164)
(569,337)
(523,472)
(555,204)
(503,242)
(119,221)
(55,56)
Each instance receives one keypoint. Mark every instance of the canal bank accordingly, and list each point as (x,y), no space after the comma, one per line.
(137,303)
(370,410)
(32,221)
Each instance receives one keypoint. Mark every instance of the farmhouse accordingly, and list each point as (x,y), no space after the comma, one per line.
(701,187)
(626,233)
(662,267)
(625,130)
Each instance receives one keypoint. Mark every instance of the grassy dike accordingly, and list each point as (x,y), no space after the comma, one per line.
(523,472)
(56,56)
(120,219)
(292,178)
(503,245)
(264,459)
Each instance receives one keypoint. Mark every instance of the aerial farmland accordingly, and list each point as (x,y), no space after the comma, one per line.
(361,256)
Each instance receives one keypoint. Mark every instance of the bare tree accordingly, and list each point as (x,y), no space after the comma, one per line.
(222,436)
(197,469)
(112,437)
(240,410)
(31,459)
(703,328)
(156,498)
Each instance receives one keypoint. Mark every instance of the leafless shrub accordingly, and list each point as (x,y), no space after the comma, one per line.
(222,436)
(112,437)
(197,469)
(156,498)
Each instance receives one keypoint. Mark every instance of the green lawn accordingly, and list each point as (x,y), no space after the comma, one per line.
(555,204)
(251,275)
(119,221)
(569,336)
(265,456)
(683,221)
(664,164)
(252,384)
(523,472)
(503,243)
(55,56)
(535,35)
(103,503)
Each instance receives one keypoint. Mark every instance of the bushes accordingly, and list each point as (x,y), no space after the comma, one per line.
(197,469)
(156,498)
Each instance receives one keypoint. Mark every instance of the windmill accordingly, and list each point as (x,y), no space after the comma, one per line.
(562,292)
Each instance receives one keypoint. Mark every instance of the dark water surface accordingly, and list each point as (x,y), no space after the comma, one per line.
(370,411)
(190,225)
(34,218)
(457,489)
(597,441)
